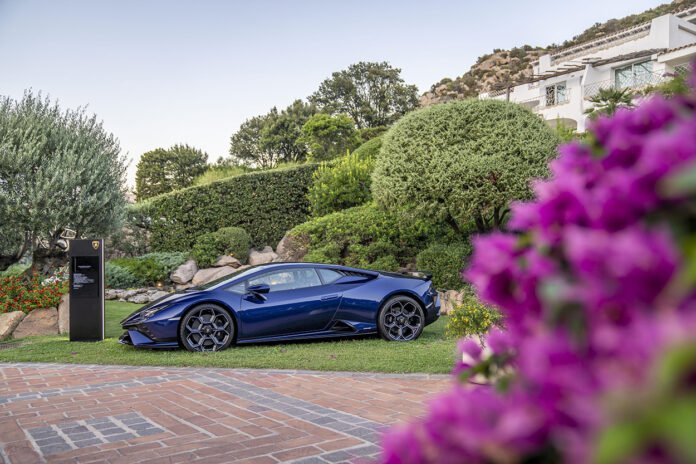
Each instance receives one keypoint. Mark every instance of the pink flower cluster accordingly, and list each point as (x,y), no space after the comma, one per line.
(591,283)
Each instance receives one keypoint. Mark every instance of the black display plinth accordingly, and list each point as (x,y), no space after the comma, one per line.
(86,290)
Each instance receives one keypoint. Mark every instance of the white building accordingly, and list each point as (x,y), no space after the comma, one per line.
(565,80)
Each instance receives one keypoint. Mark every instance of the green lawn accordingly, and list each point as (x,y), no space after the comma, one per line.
(431,353)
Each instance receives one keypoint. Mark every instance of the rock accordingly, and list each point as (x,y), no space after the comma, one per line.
(204,276)
(449,300)
(141,298)
(64,314)
(112,294)
(227,261)
(128,294)
(262,257)
(292,247)
(184,273)
(9,322)
(180,287)
(38,322)
(156,295)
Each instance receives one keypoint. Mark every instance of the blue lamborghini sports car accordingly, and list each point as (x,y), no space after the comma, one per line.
(286,301)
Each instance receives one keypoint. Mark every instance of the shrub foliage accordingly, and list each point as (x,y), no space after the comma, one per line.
(232,241)
(16,294)
(341,185)
(148,269)
(463,160)
(265,204)
(445,262)
(364,236)
(472,317)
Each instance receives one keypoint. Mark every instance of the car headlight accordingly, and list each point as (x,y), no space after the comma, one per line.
(148,313)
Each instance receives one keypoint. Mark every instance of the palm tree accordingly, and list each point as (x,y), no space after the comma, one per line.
(608,100)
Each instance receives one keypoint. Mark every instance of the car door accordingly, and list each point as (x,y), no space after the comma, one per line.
(296,302)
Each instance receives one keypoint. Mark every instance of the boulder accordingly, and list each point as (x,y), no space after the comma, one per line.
(140,298)
(292,247)
(38,322)
(450,299)
(204,276)
(264,256)
(180,287)
(227,261)
(184,273)
(112,294)
(9,322)
(156,295)
(64,314)
(126,295)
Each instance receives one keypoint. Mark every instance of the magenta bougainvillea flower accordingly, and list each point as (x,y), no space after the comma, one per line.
(593,281)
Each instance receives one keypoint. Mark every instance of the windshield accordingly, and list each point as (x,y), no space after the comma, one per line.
(237,274)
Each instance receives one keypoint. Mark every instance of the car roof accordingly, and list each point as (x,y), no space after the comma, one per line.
(249,271)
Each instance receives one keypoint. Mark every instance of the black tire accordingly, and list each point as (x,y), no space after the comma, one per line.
(206,327)
(401,319)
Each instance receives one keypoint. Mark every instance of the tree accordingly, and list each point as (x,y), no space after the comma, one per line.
(59,170)
(328,137)
(263,141)
(373,94)
(282,131)
(165,170)
(607,101)
(462,162)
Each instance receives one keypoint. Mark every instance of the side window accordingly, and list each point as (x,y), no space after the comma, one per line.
(290,279)
(237,288)
(328,275)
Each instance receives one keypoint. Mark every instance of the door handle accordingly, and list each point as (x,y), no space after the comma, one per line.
(329,297)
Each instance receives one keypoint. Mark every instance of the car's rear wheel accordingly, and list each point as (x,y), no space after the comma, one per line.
(207,327)
(401,319)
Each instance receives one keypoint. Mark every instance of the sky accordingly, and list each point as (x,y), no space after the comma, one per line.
(161,72)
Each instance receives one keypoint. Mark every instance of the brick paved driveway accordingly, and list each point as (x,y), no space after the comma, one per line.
(120,414)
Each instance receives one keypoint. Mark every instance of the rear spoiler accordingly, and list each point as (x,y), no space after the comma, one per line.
(421,275)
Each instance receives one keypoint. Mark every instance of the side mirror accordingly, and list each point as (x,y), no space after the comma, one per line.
(259,289)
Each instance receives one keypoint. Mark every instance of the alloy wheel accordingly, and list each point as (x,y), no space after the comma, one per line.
(207,328)
(402,320)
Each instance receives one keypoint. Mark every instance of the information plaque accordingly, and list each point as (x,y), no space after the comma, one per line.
(86,290)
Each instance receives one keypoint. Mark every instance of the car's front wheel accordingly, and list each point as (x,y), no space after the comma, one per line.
(401,319)
(207,327)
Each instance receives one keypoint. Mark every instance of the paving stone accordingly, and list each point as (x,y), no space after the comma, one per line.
(123,436)
(191,414)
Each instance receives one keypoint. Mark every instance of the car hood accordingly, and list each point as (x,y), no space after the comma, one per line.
(161,302)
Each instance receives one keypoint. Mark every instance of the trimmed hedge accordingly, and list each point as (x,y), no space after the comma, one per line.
(445,262)
(232,241)
(365,236)
(462,161)
(341,184)
(265,204)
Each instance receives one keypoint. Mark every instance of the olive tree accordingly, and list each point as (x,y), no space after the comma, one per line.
(59,169)
(463,162)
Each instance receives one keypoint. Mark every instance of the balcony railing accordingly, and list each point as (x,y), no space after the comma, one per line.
(542,102)
(637,83)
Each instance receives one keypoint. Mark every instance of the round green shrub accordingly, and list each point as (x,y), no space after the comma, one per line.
(463,160)
(445,262)
(472,317)
(118,276)
(369,149)
(341,184)
(365,235)
(232,241)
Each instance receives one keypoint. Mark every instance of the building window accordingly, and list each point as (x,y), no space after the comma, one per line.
(633,75)
(556,94)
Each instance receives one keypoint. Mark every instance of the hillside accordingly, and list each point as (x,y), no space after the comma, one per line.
(516,64)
